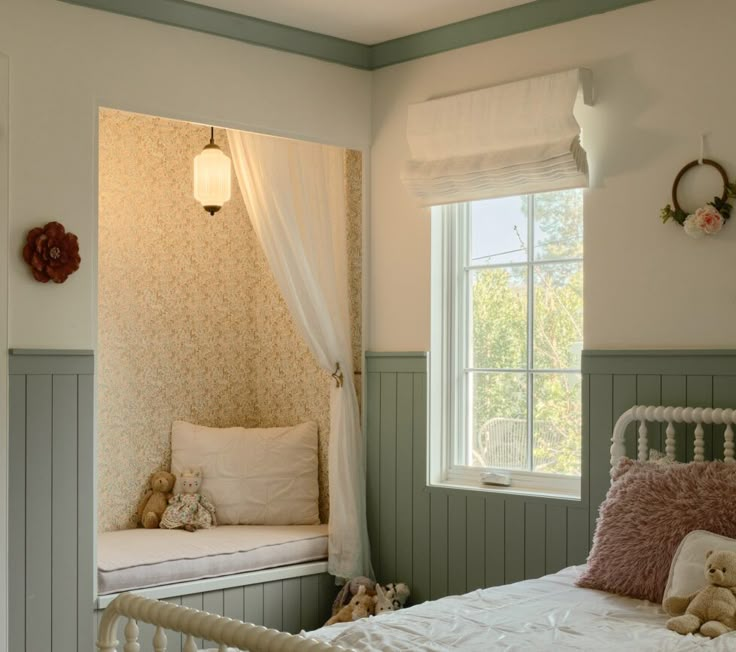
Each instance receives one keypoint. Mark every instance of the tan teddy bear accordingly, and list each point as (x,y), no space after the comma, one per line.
(154,501)
(362,605)
(712,610)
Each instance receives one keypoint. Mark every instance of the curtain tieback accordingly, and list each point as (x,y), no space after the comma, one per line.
(337,375)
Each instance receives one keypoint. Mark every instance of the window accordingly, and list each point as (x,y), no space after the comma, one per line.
(507,341)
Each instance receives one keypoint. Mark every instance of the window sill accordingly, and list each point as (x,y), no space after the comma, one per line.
(478,486)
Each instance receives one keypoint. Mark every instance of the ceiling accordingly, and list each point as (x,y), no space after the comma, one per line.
(367,22)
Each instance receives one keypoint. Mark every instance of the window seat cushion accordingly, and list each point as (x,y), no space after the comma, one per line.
(136,559)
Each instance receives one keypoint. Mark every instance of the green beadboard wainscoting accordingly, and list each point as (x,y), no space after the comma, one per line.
(447,541)
(52,538)
(51,490)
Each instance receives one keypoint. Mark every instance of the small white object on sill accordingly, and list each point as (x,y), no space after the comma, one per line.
(496,478)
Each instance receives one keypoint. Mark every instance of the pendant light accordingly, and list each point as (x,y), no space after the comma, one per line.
(212,176)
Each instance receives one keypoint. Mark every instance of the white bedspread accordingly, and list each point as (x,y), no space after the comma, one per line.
(545,614)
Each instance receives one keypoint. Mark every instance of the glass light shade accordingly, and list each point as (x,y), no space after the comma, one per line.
(211,178)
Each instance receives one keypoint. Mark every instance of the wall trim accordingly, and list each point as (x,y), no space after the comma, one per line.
(48,362)
(660,361)
(210,20)
(4,420)
(406,362)
(488,27)
(51,352)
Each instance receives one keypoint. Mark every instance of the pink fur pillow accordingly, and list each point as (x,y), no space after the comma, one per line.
(648,511)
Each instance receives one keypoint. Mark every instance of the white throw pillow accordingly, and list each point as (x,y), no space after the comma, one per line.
(254,476)
(687,571)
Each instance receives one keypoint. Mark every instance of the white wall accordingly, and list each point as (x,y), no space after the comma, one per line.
(663,73)
(67,60)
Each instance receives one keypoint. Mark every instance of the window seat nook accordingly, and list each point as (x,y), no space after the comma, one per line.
(137,559)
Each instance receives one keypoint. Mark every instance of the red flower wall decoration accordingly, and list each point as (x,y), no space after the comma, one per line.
(52,253)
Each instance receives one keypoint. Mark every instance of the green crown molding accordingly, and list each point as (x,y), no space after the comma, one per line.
(201,18)
(514,20)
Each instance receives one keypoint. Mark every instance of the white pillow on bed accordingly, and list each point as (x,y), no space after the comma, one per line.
(254,476)
(687,571)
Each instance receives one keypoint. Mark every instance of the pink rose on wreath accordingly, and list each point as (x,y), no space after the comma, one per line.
(704,221)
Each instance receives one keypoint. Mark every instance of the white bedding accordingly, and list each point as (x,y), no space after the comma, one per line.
(545,614)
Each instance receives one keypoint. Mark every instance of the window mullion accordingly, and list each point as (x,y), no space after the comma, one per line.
(467,425)
(530,333)
(461,444)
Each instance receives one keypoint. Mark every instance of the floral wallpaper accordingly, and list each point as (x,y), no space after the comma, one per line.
(191,324)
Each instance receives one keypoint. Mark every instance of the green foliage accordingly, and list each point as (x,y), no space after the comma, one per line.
(721,205)
(668,213)
(499,341)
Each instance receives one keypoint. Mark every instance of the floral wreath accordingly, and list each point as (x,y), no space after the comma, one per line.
(708,219)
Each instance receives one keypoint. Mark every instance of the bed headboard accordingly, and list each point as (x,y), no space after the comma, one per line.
(670,416)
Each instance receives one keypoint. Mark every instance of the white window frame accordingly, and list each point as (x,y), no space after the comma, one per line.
(449,335)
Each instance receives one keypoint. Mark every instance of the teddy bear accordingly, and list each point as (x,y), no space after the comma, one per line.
(154,501)
(712,609)
(361,605)
(189,509)
(350,589)
(391,597)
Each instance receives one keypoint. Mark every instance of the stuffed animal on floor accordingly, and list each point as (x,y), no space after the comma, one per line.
(361,605)
(712,610)
(154,501)
(350,589)
(189,509)
(391,597)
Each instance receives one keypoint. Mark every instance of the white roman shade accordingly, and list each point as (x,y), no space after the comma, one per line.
(505,140)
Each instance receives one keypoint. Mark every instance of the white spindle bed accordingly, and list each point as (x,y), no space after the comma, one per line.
(226,632)
(231,634)
(670,416)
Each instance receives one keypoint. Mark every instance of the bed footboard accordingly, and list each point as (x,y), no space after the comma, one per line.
(226,632)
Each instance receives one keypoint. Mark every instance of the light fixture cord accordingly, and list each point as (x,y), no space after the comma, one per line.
(212,135)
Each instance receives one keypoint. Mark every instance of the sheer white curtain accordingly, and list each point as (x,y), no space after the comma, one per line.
(295,195)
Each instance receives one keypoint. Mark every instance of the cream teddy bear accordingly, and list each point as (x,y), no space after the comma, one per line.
(361,605)
(712,610)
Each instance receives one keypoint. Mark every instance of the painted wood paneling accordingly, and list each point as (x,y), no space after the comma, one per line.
(462,540)
(86,550)
(52,541)
(619,379)
(457,553)
(17,534)
(254,604)
(51,496)
(38,511)
(194,601)
(292,605)
(64,474)
(443,541)
(310,611)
